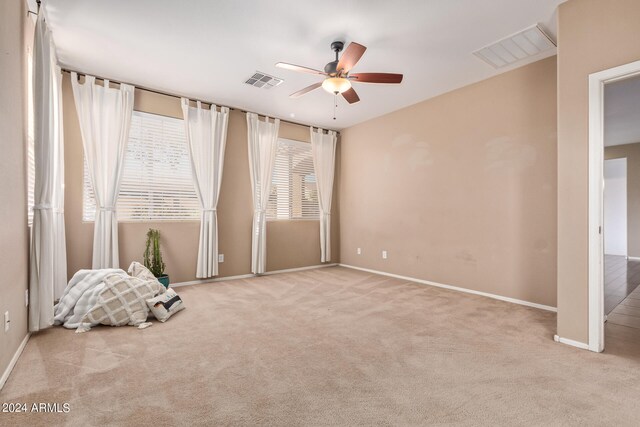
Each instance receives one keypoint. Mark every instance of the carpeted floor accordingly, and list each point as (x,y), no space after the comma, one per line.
(331,346)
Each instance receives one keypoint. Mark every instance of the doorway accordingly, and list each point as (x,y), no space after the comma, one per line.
(614,242)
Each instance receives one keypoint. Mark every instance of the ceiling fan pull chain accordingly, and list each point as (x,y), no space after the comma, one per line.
(335,104)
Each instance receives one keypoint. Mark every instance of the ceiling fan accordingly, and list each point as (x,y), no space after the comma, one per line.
(337,73)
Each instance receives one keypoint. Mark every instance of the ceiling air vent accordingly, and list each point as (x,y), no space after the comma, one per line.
(518,47)
(263,80)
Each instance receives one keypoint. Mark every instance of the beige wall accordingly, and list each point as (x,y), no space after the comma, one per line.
(632,153)
(14,233)
(290,244)
(593,35)
(459,189)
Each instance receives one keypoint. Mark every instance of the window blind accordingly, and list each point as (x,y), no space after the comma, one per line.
(294,194)
(157,183)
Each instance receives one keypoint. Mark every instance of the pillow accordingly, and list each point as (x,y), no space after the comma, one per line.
(165,305)
(122,301)
(141,272)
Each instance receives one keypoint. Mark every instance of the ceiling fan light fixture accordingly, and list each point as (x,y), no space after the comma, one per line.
(336,84)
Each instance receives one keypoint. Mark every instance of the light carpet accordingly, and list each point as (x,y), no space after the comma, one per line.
(331,346)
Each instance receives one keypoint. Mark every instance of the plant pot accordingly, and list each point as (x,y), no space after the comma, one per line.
(164,279)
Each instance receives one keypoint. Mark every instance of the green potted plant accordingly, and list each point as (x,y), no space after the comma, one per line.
(153,257)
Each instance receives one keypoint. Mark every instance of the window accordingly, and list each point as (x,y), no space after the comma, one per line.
(294,194)
(156,182)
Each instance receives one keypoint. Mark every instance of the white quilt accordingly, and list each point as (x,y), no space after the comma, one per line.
(123,301)
(80,296)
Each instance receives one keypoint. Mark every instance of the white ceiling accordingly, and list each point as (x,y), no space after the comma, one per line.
(622,112)
(206,49)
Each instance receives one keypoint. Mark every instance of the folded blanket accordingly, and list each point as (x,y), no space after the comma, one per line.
(80,295)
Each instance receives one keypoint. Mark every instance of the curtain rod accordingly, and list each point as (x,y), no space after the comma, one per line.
(173,95)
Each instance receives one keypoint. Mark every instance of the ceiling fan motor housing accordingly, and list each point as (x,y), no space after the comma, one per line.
(332,67)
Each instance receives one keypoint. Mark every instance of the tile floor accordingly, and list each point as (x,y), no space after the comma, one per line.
(627,313)
(621,291)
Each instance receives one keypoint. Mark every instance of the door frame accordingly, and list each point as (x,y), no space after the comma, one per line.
(597,82)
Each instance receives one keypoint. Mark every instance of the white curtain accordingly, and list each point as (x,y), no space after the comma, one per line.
(263,143)
(105,117)
(48,259)
(207,136)
(323,148)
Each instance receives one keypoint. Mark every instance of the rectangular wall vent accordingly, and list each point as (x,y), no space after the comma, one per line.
(263,80)
(518,47)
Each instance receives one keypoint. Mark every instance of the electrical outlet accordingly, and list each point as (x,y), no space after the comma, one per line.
(384,254)
(220,257)
(6,321)
(359,251)
(26,297)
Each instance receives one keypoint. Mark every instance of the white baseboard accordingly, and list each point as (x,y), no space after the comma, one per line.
(14,360)
(291,270)
(247,276)
(573,343)
(456,288)
(213,279)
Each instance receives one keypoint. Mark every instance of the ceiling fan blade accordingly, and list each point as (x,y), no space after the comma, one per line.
(376,77)
(350,57)
(305,90)
(299,68)
(351,96)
